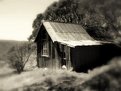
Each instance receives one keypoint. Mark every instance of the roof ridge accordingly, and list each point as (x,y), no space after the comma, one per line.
(60,22)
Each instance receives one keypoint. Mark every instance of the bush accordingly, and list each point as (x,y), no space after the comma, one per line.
(19,55)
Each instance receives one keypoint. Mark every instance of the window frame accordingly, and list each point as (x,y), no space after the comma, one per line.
(45,47)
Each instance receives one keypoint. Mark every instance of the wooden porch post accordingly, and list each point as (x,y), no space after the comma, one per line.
(68,61)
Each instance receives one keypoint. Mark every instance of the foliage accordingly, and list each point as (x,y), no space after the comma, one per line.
(99,18)
(36,26)
(108,81)
(19,55)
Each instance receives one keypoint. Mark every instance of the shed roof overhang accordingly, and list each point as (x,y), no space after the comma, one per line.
(71,35)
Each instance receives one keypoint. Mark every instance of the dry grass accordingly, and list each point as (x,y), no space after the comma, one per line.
(40,77)
(105,78)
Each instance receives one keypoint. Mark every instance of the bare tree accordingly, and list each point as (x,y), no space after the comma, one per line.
(19,55)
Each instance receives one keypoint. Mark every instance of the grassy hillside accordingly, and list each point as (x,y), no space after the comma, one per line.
(105,78)
(5,45)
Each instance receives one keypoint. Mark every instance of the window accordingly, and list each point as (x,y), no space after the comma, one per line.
(45,46)
(45,50)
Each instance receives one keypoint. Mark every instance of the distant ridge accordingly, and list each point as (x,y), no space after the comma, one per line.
(5,45)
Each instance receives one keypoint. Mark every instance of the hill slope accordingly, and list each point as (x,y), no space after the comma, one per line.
(5,45)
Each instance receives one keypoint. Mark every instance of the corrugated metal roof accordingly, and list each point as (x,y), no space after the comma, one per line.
(69,34)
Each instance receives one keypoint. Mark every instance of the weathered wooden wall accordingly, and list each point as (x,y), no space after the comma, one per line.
(80,58)
(88,57)
(53,61)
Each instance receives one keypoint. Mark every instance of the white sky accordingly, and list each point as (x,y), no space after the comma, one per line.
(16,17)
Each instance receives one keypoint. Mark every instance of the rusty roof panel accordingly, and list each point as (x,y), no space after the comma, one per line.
(69,34)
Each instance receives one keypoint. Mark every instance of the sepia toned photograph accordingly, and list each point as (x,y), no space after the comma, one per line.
(60,45)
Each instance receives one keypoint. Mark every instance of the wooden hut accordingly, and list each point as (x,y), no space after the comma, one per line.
(66,44)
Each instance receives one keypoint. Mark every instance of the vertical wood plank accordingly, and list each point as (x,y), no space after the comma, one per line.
(51,59)
(56,57)
(69,61)
(66,55)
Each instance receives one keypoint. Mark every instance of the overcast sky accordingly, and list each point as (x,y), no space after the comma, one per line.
(16,17)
